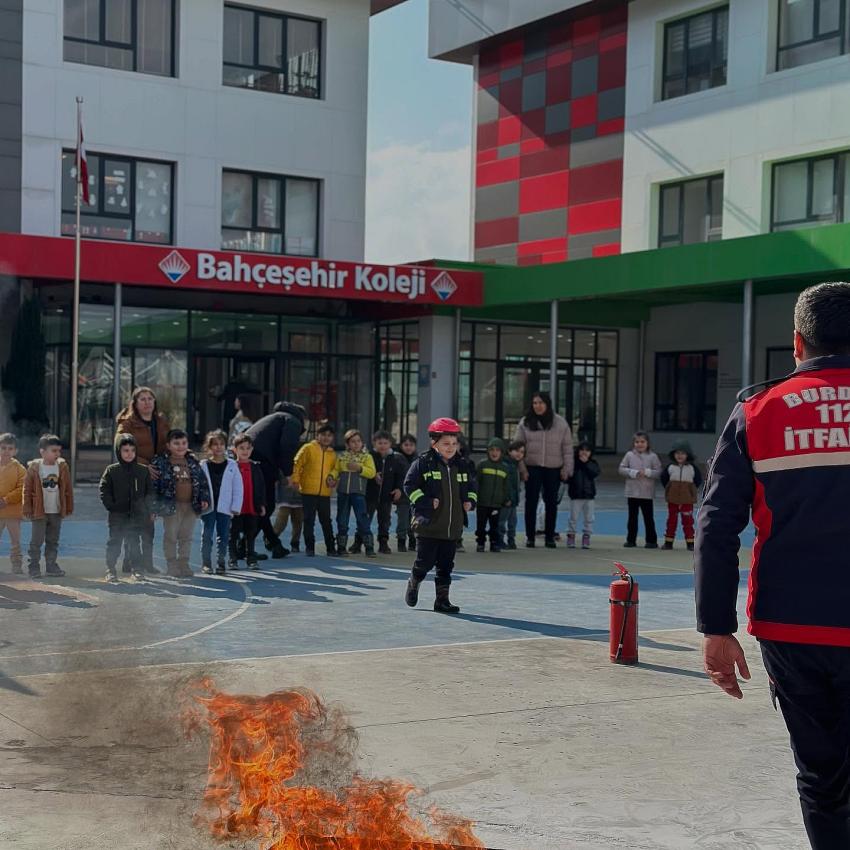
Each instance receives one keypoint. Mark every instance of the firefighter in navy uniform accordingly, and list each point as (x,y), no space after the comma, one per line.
(785,456)
(441,490)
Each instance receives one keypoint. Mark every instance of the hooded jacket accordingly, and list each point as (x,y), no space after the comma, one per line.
(349,482)
(392,469)
(125,489)
(313,465)
(681,481)
(493,485)
(165,486)
(12,489)
(277,437)
(33,495)
(583,483)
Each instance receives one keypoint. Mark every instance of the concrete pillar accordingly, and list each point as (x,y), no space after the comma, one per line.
(437,372)
(553,353)
(116,350)
(748,319)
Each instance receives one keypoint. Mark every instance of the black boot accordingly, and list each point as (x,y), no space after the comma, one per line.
(411,592)
(442,604)
(356,546)
(369,546)
(384,547)
(402,543)
(342,543)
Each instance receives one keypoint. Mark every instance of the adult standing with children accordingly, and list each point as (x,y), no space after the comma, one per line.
(143,421)
(276,439)
(548,461)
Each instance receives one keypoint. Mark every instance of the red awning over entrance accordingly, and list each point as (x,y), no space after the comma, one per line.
(49,257)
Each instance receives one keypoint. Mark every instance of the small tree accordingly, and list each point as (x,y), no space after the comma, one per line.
(24,375)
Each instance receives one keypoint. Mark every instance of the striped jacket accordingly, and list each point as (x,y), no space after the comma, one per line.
(785,456)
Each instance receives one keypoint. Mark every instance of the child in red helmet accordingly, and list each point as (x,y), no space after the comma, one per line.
(441,490)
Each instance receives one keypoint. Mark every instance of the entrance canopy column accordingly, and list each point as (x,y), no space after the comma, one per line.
(748,317)
(438,360)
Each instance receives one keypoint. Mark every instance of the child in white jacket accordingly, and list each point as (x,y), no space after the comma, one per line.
(226,490)
(641,468)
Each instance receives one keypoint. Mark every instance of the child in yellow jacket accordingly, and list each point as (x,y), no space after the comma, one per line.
(313,475)
(12,474)
(354,467)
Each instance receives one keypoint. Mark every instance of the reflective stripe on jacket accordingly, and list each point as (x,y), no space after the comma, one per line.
(784,455)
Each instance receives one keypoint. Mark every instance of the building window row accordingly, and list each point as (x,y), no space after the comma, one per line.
(263,50)
(805,192)
(132,200)
(696,47)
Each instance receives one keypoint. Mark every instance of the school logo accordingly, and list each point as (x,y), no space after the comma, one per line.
(174,267)
(444,286)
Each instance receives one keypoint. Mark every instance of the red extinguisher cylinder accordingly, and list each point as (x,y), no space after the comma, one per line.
(623,602)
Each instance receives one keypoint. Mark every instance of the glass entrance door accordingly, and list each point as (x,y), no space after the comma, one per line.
(217,380)
(517,383)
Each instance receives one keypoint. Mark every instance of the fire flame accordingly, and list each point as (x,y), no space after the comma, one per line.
(281,771)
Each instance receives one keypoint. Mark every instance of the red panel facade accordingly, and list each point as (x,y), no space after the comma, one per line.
(549,144)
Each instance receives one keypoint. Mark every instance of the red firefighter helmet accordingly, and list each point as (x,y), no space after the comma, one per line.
(444,425)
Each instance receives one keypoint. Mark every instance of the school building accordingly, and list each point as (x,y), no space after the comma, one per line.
(653,183)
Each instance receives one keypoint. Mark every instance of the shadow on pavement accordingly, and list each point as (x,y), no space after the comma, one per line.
(18,598)
(675,671)
(545,629)
(9,683)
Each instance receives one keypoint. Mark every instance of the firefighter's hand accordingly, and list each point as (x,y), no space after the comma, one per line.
(467,506)
(721,654)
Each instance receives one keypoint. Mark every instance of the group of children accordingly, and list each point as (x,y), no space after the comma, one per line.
(226,490)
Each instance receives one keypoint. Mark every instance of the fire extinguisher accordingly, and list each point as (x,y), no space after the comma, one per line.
(623,601)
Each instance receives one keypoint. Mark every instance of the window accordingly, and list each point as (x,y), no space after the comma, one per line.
(272,53)
(695,51)
(691,211)
(276,215)
(810,192)
(810,30)
(130,199)
(129,35)
(686,391)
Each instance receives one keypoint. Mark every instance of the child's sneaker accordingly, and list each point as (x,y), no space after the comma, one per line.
(233,564)
(294,546)
(138,575)
(629,545)
(55,572)
(310,552)
(585,541)
(690,547)
(253,564)
(668,544)
(511,544)
(571,541)
(495,547)
(207,570)
(220,570)
(112,576)
(479,547)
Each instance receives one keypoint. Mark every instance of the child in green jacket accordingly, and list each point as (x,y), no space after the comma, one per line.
(493,495)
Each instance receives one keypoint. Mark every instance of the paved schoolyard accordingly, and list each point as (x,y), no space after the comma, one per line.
(509,713)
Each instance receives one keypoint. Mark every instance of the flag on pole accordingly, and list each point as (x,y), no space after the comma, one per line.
(83,169)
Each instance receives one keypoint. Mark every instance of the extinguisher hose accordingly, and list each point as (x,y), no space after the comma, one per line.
(626,608)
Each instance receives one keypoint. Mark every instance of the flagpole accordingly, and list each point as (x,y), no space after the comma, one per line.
(75,311)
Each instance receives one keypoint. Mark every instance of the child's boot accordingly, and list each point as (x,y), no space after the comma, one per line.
(668,544)
(690,545)
(411,591)
(442,604)
(220,569)
(571,541)
(357,545)
(402,543)
(369,545)
(342,543)
(585,540)
(384,546)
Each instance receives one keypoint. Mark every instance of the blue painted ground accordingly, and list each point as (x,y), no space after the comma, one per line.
(319,605)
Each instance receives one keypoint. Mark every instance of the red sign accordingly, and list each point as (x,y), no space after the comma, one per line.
(189,269)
